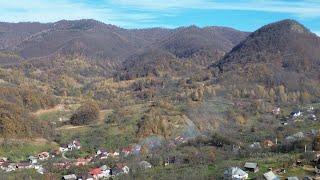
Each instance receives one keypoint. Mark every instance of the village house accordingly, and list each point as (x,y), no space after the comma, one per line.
(276,111)
(255,145)
(24,165)
(270,176)
(33,160)
(85,176)
(82,161)
(235,173)
(3,160)
(292,178)
(313,117)
(62,165)
(126,151)
(39,169)
(8,167)
(69,177)
(268,143)
(284,123)
(97,173)
(170,160)
(252,167)
(63,148)
(43,156)
(296,114)
(101,154)
(120,169)
(125,169)
(75,145)
(114,154)
(145,165)
(106,169)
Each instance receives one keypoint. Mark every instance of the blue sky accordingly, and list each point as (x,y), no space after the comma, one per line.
(247,15)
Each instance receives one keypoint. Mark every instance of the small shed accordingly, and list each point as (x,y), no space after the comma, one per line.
(292,178)
(235,173)
(252,167)
(145,165)
(270,176)
(70,177)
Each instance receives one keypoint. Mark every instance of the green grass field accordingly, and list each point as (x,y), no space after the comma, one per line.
(19,151)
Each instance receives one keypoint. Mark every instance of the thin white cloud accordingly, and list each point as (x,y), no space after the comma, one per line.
(51,11)
(137,13)
(307,8)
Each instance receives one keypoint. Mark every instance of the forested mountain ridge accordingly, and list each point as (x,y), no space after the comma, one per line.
(96,40)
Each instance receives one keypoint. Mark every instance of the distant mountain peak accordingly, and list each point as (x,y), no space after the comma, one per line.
(192,27)
(284,47)
(295,26)
(83,24)
(284,26)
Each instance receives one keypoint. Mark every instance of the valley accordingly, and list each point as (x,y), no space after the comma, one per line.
(84,99)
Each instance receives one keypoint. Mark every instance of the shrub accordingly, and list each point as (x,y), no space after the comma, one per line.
(87,113)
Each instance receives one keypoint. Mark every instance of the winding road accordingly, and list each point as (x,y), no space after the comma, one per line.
(64,155)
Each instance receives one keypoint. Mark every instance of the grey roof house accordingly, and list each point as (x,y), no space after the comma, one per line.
(252,167)
(235,173)
(270,176)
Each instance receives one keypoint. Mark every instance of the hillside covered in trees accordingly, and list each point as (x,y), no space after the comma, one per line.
(194,97)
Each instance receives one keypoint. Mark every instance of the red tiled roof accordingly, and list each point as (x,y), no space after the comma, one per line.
(95,171)
(128,149)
